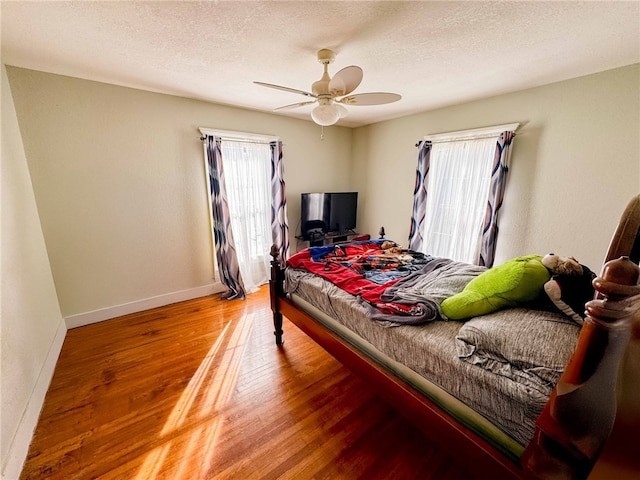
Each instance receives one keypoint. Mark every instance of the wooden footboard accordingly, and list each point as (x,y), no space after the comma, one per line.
(579,416)
(577,420)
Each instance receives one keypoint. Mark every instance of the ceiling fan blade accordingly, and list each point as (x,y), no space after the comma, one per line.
(377,98)
(286,89)
(294,105)
(345,81)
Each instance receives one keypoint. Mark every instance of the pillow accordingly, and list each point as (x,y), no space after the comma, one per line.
(516,281)
(531,347)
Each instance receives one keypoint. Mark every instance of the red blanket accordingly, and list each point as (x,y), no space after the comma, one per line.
(364,268)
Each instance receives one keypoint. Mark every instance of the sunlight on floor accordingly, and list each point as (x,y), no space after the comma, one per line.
(190,394)
(153,462)
(197,414)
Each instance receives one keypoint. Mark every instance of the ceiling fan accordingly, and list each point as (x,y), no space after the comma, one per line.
(332,94)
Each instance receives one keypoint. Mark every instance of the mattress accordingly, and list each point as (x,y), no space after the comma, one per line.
(499,400)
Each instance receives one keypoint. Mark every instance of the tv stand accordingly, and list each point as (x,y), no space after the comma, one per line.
(330,238)
(337,238)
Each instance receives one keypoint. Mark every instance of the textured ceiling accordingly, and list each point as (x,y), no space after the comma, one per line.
(432,53)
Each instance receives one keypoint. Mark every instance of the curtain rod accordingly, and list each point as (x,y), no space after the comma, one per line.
(461,139)
(239,136)
(264,142)
(472,134)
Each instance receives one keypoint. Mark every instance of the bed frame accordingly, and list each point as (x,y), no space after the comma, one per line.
(578,419)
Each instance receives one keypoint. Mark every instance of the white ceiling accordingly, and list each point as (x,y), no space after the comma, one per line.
(434,54)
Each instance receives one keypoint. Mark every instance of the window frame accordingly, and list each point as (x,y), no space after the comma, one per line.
(461,136)
(231,136)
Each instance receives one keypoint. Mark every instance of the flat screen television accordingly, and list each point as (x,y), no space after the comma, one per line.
(328,213)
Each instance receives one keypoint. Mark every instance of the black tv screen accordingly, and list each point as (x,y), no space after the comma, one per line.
(331,212)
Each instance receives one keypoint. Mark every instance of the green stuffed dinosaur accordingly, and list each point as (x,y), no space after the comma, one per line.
(515,281)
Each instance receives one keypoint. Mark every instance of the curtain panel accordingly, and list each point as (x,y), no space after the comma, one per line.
(279,225)
(420,197)
(223,235)
(247,171)
(499,171)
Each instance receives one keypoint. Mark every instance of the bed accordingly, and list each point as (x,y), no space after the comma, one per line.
(522,392)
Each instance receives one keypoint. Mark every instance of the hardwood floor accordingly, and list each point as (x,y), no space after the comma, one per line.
(198,390)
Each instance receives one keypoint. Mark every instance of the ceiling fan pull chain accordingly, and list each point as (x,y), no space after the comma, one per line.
(321,133)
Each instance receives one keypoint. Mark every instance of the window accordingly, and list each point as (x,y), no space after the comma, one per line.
(247,169)
(246,160)
(458,182)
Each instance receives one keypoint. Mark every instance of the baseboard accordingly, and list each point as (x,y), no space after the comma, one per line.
(19,448)
(95,316)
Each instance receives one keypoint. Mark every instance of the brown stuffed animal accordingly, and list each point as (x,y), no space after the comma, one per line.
(558,265)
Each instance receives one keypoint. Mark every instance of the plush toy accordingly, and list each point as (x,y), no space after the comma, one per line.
(570,286)
(512,283)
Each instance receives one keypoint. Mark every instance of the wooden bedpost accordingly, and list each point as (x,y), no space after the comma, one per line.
(578,418)
(276,290)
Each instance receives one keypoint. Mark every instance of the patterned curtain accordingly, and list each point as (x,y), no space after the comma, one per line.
(499,171)
(223,236)
(420,197)
(279,225)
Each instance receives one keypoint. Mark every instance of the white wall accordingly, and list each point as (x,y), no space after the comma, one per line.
(32,326)
(119,181)
(575,164)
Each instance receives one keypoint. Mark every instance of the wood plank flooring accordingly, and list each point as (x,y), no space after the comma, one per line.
(199,390)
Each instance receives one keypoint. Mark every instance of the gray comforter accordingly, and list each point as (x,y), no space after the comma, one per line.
(428,288)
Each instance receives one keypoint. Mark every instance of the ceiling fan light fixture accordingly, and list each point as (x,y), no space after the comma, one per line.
(343,111)
(325,114)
